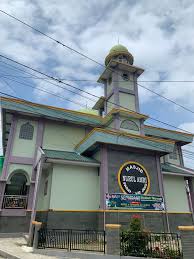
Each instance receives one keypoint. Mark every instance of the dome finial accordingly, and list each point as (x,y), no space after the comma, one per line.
(118,52)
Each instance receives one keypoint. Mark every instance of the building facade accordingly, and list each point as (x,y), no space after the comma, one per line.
(60,164)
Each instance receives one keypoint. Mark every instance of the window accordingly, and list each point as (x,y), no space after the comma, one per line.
(130,125)
(125,77)
(110,80)
(17,184)
(174,154)
(45,187)
(26,131)
(120,58)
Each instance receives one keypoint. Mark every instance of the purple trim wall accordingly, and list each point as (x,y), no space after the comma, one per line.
(161,187)
(136,93)
(117,121)
(21,160)
(9,147)
(7,157)
(103,176)
(39,140)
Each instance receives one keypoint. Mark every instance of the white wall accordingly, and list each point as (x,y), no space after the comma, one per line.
(74,188)
(175,193)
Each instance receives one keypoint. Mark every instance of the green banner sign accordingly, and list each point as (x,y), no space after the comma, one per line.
(134,201)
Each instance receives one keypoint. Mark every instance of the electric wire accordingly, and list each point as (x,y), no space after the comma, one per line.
(91,59)
(74,117)
(56,80)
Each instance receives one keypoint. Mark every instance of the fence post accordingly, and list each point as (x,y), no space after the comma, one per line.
(187,240)
(37,226)
(113,239)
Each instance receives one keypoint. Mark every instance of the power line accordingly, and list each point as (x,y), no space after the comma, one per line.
(91,59)
(22,70)
(46,91)
(5,82)
(73,117)
(56,80)
(47,80)
(90,80)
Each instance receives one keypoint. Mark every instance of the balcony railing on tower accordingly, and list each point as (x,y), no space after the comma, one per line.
(15,202)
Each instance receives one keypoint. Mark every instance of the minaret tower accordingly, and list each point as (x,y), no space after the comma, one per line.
(120,98)
(120,81)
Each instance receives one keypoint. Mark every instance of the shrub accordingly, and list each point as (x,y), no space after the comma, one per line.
(134,240)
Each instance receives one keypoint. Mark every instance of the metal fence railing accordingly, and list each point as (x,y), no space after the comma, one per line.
(157,245)
(87,240)
(14,202)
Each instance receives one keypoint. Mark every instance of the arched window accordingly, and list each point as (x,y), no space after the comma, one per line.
(129,125)
(17,185)
(26,131)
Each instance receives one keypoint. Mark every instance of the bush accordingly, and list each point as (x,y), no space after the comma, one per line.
(134,240)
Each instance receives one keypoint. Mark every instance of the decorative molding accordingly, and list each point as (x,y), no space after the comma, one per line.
(71,162)
(126,91)
(21,160)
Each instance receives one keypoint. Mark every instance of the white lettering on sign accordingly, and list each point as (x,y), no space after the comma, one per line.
(141,180)
(134,167)
(129,179)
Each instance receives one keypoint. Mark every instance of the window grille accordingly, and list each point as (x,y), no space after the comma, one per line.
(26,131)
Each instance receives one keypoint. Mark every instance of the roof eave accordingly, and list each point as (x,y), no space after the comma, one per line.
(71,162)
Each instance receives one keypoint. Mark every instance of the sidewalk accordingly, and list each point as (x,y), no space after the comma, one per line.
(17,249)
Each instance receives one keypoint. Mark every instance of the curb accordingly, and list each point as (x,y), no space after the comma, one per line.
(7,255)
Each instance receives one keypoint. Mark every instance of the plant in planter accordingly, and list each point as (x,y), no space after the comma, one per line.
(134,240)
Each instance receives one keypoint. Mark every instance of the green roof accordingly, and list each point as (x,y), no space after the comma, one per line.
(181,137)
(174,169)
(66,155)
(91,141)
(117,50)
(118,47)
(50,112)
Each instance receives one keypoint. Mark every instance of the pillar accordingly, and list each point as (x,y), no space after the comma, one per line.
(37,226)
(187,240)
(113,239)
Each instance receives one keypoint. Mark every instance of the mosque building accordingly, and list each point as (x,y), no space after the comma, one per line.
(78,170)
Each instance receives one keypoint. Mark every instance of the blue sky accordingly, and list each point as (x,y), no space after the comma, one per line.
(159,34)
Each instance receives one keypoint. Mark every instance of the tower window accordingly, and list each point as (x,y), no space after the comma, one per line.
(26,131)
(110,80)
(125,76)
(129,125)
(120,58)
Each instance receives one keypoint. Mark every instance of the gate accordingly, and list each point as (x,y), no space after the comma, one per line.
(157,245)
(87,240)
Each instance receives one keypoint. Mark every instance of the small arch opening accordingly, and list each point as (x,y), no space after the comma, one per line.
(129,125)
(17,185)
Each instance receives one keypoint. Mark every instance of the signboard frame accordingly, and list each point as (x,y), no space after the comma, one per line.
(136,202)
(140,166)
